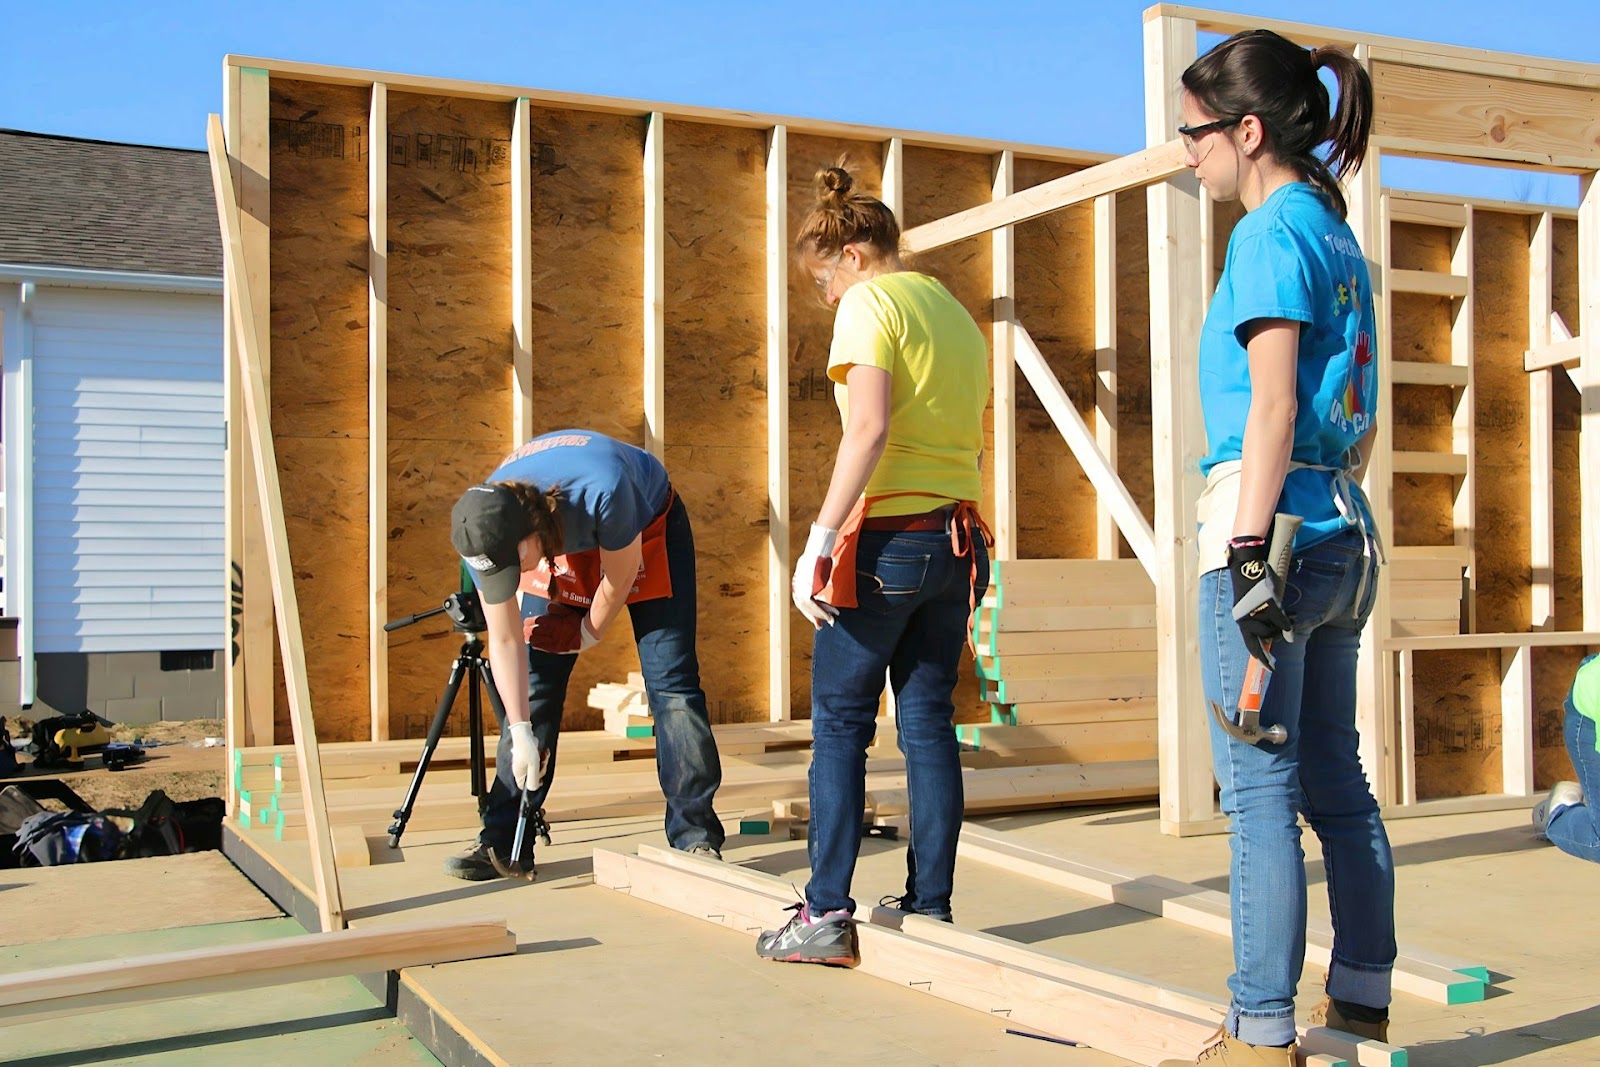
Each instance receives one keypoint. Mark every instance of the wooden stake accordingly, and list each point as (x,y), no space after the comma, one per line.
(285,602)
(778,564)
(378,407)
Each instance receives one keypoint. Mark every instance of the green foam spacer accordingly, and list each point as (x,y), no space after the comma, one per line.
(755,826)
(1464,992)
(640,731)
(1480,973)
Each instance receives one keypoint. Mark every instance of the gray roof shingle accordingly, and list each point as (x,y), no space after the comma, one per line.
(66,202)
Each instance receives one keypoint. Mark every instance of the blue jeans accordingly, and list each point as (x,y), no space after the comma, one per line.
(1576,829)
(913,595)
(1316,772)
(686,753)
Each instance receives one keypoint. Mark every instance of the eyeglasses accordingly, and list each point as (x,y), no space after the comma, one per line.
(1189,133)
(826,278)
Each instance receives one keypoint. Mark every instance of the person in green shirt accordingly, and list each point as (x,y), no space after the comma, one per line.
(1563,817)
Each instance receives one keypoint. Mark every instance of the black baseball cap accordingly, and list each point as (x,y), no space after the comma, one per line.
(486,525)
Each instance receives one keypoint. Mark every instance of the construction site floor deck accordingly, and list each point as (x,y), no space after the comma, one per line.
(602,978)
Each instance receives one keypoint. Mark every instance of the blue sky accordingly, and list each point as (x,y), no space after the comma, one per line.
(1048,73)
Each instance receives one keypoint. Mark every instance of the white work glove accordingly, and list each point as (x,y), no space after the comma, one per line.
(818,553)
(525,755)
(587,638)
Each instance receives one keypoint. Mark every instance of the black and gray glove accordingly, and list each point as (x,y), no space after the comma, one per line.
(1257,597)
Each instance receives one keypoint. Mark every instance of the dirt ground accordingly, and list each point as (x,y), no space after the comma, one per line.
(181,765)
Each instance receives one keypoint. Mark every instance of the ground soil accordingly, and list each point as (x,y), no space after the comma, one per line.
(180,764)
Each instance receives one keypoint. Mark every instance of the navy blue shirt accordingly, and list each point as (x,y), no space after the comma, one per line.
(610,491)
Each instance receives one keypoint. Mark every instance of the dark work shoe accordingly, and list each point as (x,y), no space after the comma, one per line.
(828,938)
(1328,1014)
(474,864)
(899,904)
(703,848)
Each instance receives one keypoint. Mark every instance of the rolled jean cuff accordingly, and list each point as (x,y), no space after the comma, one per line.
(1367,984)
(1262,1028)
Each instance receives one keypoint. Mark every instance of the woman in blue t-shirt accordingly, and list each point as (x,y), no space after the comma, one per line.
(571,528)
(1288,384)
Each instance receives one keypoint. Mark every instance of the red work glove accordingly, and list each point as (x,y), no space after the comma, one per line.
(559,630)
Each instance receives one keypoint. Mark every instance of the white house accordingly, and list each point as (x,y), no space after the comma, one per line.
(111,342)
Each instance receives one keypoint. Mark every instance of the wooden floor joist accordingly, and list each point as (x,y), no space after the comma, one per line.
(82,988)
(1420,973)
(1118,1013)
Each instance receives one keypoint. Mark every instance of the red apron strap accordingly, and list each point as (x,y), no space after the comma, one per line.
(964,524)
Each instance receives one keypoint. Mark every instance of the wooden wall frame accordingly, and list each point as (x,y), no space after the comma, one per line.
(667,346)
(1551,105)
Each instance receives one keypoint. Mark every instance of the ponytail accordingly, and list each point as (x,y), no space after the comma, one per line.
(1258,72)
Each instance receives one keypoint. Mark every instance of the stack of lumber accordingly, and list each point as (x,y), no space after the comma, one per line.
(1066,658)
(625,709)
(601,776)
(1425,589)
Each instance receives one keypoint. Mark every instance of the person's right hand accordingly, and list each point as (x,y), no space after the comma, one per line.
(559,630)
(809,572)
(525,755)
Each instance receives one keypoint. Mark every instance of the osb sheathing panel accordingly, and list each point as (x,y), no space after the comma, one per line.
(318,385)
(1502,550)
(1553,669)
(1459,716)
(586,179)
(1421,415)
(814,428)
(716,395)
(449,367)
(940,183)
(1460,722)
(1055,304)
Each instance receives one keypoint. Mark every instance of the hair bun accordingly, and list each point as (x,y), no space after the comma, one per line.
(835,181)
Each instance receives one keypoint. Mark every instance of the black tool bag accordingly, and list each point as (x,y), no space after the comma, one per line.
(51,838)
(163,827)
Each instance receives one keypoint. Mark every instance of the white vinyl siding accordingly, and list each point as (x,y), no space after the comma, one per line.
(127,476)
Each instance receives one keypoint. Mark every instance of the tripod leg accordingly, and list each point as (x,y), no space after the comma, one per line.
(485,677)
(475,733)
(402,814)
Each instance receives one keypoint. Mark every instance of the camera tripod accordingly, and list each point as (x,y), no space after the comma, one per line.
(466,613)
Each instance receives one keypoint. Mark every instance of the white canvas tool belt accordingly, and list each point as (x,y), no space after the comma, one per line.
(1220,500)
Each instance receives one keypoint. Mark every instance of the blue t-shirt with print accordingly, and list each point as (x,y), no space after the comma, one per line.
(610,491)
(1295,258)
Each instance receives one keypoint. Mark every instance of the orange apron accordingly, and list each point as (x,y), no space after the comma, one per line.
(576,575)
(835,583)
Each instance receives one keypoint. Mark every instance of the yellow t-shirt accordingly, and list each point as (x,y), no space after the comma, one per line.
(909,325)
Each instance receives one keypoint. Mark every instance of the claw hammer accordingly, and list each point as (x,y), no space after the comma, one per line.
(1249,729)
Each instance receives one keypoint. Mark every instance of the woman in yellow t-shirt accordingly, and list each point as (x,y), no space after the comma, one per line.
(895,561)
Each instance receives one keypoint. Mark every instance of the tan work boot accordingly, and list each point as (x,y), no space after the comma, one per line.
(1226,1050)
(1325,1014)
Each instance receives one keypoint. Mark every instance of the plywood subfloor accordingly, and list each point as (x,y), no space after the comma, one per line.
(334,1020)
(732,1008)
(95,899)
